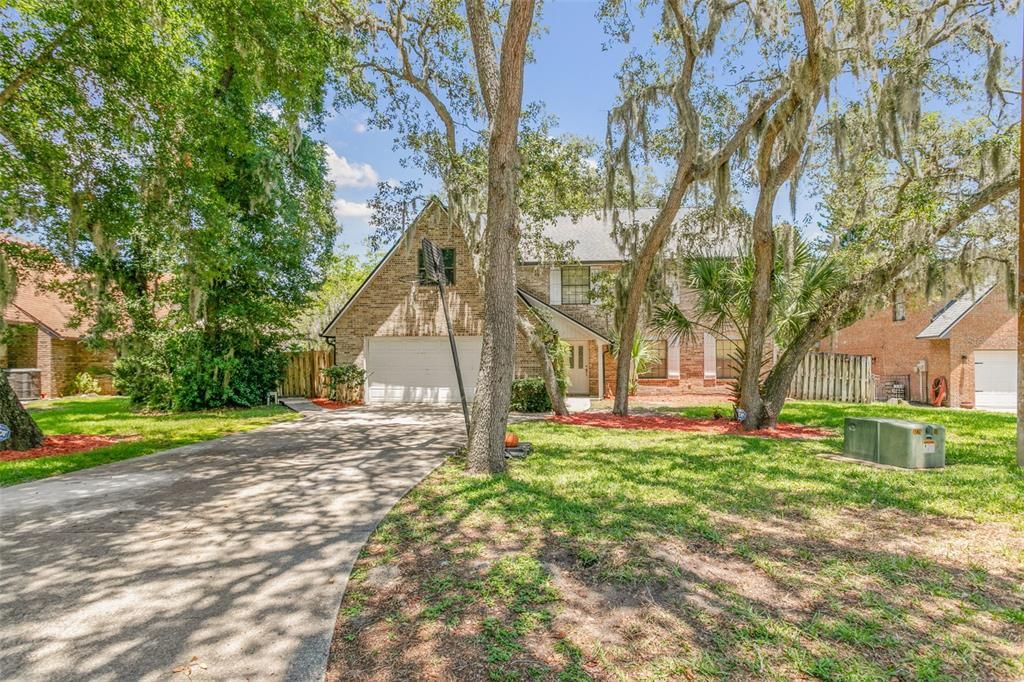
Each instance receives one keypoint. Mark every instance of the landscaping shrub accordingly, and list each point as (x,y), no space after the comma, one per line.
(85,383)
(191,371)
(344,382)
(145,377)
(530,395)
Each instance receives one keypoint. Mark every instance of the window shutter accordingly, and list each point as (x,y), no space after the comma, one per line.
(710,351)
(555,290)
(673,357)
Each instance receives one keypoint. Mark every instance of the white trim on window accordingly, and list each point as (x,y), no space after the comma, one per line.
(578,292)
(710,354)
(555,290)
(673,357)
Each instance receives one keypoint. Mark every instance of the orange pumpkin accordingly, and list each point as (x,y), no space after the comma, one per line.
(511,439)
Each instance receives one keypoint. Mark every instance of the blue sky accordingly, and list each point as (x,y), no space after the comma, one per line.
(572,75)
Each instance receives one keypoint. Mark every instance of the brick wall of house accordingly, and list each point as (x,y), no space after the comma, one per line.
(69,358)
(527,362)
(938,358)
(893,346)
(896,351)
(535,279)
(990,325)
(21,347)
(44,345)
(609,373)
(691,362)
(592,370)
(396,304)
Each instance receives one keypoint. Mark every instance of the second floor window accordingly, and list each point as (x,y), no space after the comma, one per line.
(449,267)
(899,308)
(575,285)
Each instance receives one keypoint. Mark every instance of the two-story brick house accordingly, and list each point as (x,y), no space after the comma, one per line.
(393,325)
(970,340)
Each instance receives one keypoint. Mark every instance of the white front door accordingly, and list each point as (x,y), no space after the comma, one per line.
(579,374)
(995,380)
(419,369)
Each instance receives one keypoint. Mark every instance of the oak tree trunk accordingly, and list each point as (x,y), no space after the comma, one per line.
(776,385)
(639,274)
(540,349)
(25,433)
(486,449)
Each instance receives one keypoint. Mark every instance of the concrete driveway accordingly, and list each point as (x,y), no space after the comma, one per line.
(223,560)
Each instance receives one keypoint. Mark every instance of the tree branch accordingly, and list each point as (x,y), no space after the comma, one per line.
(484,54)
(43,56)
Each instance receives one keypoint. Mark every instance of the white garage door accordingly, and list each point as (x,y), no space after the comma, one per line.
(995,379)
(419,369)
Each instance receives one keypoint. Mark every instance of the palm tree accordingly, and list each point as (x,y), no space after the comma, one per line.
(642,355)
(800,282)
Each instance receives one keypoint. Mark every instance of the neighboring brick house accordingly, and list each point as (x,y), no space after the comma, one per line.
(393,326)
(39,337)
(971,340)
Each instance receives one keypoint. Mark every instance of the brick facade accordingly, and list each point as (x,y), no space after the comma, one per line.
(69,358)
(896,352)
(394,303)
(59,360)
(21,347)
(536,280)
(45,364)
(991,325)
(691,362)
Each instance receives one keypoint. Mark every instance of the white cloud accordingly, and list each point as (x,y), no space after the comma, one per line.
(347,174)
(343,208)
(360,127)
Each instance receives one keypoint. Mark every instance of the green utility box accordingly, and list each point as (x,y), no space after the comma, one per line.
(896,442)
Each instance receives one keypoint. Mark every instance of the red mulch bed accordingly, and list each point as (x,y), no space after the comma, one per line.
(662,422)
(332,404)
(59,445)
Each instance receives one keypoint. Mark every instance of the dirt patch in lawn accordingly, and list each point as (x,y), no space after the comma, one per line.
(662,422)
(332,404)
(69,444)
(456,592)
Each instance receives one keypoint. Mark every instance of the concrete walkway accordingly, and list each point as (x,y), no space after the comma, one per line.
(225,560)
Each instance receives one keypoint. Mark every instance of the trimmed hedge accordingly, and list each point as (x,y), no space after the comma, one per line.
(530,395)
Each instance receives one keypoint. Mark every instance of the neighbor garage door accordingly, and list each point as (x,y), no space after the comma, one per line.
(995,379)
(419,369)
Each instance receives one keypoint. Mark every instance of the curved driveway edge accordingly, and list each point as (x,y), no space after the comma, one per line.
(220,560)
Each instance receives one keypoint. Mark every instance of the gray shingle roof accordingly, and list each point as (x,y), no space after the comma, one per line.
(953,312)
(592,240)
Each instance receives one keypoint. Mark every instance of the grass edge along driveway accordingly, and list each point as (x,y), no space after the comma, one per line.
(652,555)
(144,433)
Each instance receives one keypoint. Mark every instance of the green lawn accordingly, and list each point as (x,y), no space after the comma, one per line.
(110,416)
(612,554)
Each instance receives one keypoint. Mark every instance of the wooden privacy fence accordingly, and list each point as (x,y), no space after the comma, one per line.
(302,376)
(834,376)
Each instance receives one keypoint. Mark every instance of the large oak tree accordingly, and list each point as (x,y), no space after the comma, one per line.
(817,59)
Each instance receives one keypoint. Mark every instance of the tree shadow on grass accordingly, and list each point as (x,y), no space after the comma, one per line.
(677,565)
